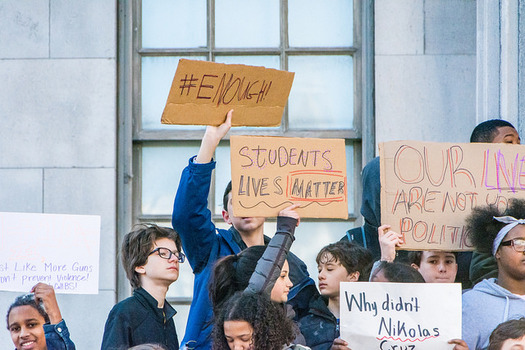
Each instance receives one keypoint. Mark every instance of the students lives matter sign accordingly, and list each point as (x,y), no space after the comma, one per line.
(271,173)
(388,316)
(428,189)
(59,250)
(203,92)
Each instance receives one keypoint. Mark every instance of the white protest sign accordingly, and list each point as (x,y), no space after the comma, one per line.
(395,316)
(59,250)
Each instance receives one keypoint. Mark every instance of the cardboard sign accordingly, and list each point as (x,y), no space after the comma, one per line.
(271,173)
(428,189)
(203,92)
(59,250)
(389,316)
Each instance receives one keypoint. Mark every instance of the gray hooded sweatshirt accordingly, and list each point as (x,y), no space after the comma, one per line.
(486,306)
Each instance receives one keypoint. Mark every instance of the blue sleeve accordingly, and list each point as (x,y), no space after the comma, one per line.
(57,336)
(191,217)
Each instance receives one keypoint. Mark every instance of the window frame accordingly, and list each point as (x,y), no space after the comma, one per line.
(131,137)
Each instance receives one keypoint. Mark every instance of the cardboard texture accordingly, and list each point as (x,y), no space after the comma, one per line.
(271,173)
(428,189)
(203,92)
(378,315)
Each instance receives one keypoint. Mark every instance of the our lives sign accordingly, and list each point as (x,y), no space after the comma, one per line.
(59,250)
(394,316)
(271,173)
(203,92)
(428,189)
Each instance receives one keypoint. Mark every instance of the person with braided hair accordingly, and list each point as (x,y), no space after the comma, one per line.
(495,300)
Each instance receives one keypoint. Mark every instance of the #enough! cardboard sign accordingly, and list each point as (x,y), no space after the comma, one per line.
(203,92)
(271,173)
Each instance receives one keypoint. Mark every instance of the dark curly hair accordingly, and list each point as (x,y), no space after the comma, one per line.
(27,300)
(271,328)
(352,256)
(482,227)
(511,329)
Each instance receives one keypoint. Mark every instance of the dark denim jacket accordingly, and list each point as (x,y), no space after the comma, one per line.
(57,337)
(319,326)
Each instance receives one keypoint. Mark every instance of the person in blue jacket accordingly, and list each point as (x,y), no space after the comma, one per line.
(35,322)
(204,244)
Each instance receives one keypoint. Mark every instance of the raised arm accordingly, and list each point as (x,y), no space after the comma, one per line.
(191,217)
(270,264)
(211,139)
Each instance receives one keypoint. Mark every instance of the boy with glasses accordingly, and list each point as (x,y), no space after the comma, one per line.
(151,257)
(495,300)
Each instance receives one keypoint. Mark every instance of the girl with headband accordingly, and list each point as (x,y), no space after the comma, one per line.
(496,300)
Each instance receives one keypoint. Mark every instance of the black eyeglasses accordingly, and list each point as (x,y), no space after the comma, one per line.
(166,253)
(517,243)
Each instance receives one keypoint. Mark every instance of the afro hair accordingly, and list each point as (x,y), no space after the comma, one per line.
(482,227)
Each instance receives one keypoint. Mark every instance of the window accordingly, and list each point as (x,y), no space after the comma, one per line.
(319,41)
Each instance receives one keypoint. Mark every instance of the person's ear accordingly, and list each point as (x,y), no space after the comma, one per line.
(226,217)
(353,277)
(140,270)
(415,266)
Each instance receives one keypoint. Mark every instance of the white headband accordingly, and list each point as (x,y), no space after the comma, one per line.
(510,222)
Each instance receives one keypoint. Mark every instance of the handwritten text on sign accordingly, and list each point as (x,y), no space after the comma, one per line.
(271,173)
(203,92)
(428,189)
(60,250)
(389,316)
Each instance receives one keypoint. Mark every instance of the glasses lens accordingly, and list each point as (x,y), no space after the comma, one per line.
(519,244)
(164,253)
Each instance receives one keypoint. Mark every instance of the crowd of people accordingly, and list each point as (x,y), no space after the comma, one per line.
(252,292)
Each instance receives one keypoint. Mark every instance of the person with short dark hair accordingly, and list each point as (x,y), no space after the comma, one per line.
(495,131)
(436,266)
(35,322)
(204,243)
(151,256)
(509,335)
(337,262)
(502,233)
